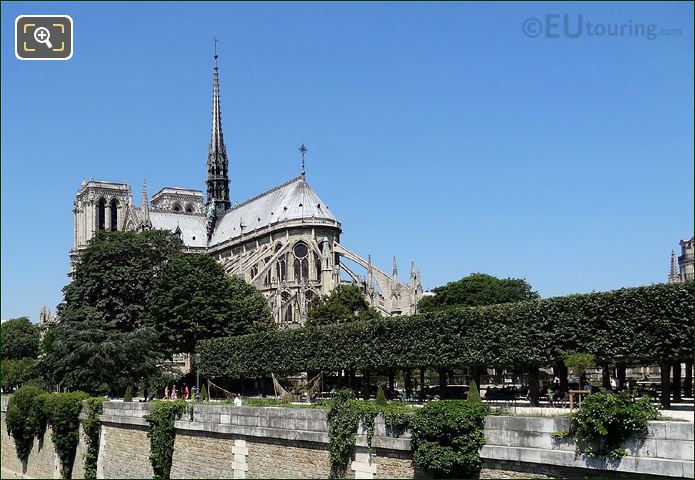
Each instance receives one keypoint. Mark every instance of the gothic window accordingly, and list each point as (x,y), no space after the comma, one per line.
(266,280)
(282,268)
(254,271)
(177,207)
(189,208)
(114,214)
(101,214)
(309,297)
(301,262)
(305,269)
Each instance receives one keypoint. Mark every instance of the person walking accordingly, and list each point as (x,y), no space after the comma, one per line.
(166,392)
(186,393)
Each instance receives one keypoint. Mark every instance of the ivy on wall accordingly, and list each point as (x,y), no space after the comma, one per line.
(30,411)
(21,422)
(345,415)
(162,434)
(605,420)
(91,425)
(635,325)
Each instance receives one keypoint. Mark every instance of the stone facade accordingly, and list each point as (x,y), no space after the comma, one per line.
(285,241)
(684,269)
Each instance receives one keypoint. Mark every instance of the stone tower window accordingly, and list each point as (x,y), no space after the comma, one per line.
(101,214)
(177,207)
(114,214)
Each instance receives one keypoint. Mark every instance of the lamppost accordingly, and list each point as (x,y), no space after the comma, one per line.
(197,373)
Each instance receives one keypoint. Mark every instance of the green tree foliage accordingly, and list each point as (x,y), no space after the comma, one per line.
(17,372)
(636,325)
(115,273)
(48,340)
(580,362)
(476,290)
(100,343)
(128,397)
(19,338)
(193,299)
(204,394)
(345,304)
(446,437)
(473,393)
(91,355)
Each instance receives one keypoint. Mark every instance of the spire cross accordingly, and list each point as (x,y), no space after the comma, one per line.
(303,150)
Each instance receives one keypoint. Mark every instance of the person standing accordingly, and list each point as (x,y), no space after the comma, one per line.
(166,392)
(186,393)
(237,400)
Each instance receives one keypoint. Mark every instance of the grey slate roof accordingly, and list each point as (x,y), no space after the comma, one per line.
(193,227)
(293,200)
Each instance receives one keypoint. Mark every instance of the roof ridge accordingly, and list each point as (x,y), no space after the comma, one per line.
(267,192)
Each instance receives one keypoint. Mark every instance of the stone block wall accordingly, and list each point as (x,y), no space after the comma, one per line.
(525,444)
(223,441)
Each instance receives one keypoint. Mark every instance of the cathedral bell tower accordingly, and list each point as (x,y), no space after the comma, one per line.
(218,165)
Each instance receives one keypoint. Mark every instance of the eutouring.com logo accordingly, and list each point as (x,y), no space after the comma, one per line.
(554,25)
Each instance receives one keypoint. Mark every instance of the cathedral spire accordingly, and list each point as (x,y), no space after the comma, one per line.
(303,150)
(217,165)
(673,276)
(145,222)
(395,269)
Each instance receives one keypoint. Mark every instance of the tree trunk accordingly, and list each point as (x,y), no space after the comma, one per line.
(688,383)
(621,375)
(605,376)
(665,367)
(477,372)
(451,376)
(392,378)
(366,383)
(533,387)
(676,386)
(442,383)
(422,383)
(560,370)
(408,378)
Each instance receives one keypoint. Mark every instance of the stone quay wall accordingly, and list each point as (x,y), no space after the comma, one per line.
(525,445)
(223,441)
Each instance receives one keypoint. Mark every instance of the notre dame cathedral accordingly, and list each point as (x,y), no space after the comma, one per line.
(284,241)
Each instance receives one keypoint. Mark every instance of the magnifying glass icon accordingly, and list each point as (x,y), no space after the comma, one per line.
(43,35)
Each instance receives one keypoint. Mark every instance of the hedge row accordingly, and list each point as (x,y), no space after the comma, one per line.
(635,325)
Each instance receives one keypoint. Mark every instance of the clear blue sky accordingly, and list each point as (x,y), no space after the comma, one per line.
(437,132)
